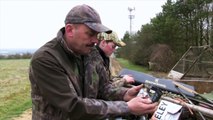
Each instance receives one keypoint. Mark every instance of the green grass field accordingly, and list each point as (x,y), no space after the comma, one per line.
(14,88)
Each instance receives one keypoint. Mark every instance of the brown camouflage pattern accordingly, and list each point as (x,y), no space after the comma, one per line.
(97,73)
(119,82)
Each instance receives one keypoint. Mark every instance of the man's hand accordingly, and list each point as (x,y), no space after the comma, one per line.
(132,92)
(128,79)
(140,106)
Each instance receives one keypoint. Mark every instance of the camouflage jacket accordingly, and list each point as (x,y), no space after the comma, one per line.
(98,74)
(115,80)
(118,81)
(59,90)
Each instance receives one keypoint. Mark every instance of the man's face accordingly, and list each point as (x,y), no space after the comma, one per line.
(109,48)
(81,39)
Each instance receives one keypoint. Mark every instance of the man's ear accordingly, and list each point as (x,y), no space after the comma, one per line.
(69,29)
(103,43)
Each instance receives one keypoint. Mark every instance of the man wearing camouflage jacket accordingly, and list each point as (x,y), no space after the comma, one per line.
(104,49)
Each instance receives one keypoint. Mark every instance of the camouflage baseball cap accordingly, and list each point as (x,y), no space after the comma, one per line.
(86,15)
(112,36)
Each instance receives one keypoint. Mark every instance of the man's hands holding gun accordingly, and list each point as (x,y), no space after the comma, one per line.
(137,104)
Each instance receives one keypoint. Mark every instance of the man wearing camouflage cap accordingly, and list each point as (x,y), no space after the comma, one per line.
(106,47)
(58,87)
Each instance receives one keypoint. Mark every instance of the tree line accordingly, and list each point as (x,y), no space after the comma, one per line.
(181,24)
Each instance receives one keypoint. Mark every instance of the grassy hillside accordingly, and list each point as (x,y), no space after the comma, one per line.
(14,88)
(129,65)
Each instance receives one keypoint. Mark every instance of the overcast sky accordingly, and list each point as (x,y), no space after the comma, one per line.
(31,23)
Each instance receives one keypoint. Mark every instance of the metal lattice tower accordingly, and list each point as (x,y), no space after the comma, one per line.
(130,18)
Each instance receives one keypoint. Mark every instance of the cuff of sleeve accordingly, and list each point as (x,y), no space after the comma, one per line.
(123,92)
(123,108)
(126,109)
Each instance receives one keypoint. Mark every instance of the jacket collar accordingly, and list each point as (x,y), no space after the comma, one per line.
(61,39)
(104,57)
